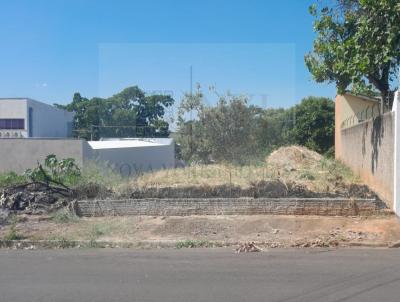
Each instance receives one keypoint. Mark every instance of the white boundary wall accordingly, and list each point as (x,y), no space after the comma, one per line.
(396,184)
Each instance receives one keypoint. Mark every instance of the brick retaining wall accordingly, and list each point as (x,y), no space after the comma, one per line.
(227,206)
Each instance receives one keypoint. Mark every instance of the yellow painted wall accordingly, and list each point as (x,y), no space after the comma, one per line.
(367,147)
(346,106)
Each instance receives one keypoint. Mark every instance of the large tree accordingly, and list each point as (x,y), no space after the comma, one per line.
(357,45)
(125,114)
(225,132)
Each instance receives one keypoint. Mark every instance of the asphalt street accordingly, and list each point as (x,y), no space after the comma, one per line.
(200,275)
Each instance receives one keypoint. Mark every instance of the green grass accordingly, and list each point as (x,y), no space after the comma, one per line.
(100,229)
(193,244)
(11,179)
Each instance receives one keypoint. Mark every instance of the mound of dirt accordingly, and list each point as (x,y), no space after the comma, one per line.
(293,158)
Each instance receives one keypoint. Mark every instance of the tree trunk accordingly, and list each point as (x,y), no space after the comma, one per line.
(384,95)
(382,84)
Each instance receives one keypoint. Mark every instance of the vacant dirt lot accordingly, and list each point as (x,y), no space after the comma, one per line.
(289,171)
(270,231)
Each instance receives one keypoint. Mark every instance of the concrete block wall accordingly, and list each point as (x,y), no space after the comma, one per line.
(368,148)
(17,155)
(226,206)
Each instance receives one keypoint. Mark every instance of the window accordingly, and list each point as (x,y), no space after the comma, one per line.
(12,124)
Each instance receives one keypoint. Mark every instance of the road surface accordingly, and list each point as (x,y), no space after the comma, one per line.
(199,275)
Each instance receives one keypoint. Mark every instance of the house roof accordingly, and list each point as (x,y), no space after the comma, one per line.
(115,143)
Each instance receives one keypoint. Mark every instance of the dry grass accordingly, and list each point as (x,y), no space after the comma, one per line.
(289,164)
(214,175)
(105,228)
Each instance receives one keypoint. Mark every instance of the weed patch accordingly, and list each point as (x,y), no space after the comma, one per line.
(64,216)
(100,229)
(12,233)
(193,244)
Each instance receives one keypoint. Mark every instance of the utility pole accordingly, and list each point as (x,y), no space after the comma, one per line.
(191,112)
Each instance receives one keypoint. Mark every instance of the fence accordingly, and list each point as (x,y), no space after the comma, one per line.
(96,131)
(362,116)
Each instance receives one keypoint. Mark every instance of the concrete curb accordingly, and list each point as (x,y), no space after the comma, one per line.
(61,244)
(368,244)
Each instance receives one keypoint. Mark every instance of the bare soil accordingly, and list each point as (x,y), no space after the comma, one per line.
(271,231)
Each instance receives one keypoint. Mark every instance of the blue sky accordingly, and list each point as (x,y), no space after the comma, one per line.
(51,49)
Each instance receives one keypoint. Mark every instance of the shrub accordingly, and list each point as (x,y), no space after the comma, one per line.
(62,172)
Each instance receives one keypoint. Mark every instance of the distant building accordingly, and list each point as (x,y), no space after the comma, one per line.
(27,118)
(36,130)
(128,157)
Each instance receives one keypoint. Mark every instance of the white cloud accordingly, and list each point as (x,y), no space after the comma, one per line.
(41,85)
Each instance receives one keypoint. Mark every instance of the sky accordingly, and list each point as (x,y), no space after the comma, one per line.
(50,49)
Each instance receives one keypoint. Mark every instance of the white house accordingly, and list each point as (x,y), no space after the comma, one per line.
(27,118)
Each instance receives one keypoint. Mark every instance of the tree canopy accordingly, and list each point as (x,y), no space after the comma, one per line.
(314,124)
(128,113)
(357,45)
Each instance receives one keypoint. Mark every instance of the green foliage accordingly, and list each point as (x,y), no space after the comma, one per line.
(229,127)
(62,172)
(330,153)
(314,124)
(357,44)
(225,132)
(233,131)
(11,179)
(272,129)
(131,112)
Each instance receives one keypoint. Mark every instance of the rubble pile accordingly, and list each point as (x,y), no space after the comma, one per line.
(248,248)
(34,198)
(334,238)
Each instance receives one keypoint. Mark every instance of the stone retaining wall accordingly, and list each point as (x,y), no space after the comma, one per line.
(227,206)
